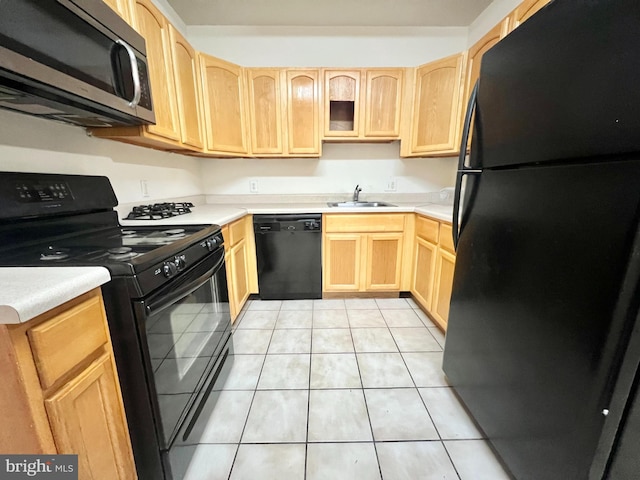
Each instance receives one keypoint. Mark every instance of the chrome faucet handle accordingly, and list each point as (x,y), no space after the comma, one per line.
(356,193)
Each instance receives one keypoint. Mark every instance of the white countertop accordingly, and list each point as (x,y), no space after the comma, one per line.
(223,214)
(30,291)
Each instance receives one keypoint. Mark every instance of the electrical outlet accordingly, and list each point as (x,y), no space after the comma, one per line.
(253,186)
(391,185)
(144,188)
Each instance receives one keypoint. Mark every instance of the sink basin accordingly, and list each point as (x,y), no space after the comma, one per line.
(360,204)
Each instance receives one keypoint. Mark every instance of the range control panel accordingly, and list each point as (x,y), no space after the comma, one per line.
(29,192)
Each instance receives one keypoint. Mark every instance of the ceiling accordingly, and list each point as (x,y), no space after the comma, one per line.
(402,13)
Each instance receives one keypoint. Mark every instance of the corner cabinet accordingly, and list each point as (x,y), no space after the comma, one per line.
(223,90)
(362,252)
(64,397)
(434,266)
(436,110)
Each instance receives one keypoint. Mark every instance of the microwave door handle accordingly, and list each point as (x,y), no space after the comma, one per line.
(135,72)
(462,170)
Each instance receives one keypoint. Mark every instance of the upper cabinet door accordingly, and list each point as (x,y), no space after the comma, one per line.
(437,107)
(152,25)
(122,8)
(341,103)
(224,109)
(524,11)
(265,111)
(383,102)
(187,89)
(303,111)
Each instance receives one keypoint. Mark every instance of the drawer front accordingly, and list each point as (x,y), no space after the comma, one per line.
(446,237)
(427,229)
(363,223)
(61,343)
(237,231)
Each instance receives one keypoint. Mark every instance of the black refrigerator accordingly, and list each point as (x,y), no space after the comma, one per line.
(542,343)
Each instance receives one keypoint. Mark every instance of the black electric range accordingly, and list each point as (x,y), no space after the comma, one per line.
(166,304)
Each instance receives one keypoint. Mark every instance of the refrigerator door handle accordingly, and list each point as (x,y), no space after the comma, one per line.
(462,169)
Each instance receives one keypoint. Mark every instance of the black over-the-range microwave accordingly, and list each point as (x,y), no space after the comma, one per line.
(73,60)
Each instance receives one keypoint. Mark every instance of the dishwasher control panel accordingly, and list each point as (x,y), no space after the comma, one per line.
(287,223)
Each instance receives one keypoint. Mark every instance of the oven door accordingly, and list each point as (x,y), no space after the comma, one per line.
(185,329)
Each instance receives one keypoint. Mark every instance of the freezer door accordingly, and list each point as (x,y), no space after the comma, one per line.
(563,85)
(540,309)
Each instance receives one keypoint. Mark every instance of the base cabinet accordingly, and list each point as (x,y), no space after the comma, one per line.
(362,253)
(240,259)
(434,265)
(64,395)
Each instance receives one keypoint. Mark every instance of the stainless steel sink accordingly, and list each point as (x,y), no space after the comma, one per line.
(360,204)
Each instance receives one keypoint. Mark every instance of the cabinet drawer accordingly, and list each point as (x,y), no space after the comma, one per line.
(237,231)
(427,229)
(363,223)
(446,237)
(61,343)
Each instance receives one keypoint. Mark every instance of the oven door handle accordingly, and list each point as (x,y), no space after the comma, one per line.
(180,291)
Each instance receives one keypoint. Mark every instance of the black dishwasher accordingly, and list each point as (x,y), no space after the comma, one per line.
(289,254)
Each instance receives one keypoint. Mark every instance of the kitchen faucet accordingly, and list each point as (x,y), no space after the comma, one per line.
(356,193)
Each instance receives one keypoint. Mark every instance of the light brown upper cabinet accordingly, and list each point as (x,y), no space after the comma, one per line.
(524,11)
(341,103)
(165,134)
(122,8)
(265,110)
(187,80)
(474,59)
(383,100)
(302,99)
(362,104)
(436,110)
(224,106)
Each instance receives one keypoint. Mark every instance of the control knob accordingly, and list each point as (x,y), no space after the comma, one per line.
(180,262)
(212,243)
(169,269)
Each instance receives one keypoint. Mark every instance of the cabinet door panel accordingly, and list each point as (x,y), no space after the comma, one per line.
(383,100)
(342,103)
(121,7)
(437,113)
(155,29)
(525,10)
(342,259)
(188,89)
(223,95)
(425,264)
(303,112)
(265,109)
(445,266)
(384,254)
(239,277)
(87,419)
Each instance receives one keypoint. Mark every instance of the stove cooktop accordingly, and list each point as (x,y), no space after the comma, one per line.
(158,211)
(120,249)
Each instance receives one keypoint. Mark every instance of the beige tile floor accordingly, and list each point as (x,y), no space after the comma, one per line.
(337,389)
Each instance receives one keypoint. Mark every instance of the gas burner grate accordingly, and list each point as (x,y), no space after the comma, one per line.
(158,211)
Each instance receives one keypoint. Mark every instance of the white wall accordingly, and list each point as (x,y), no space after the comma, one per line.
(341,167)
(29,144)
(492,15)
(328,46)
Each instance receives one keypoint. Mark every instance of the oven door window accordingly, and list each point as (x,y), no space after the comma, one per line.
(184,340)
